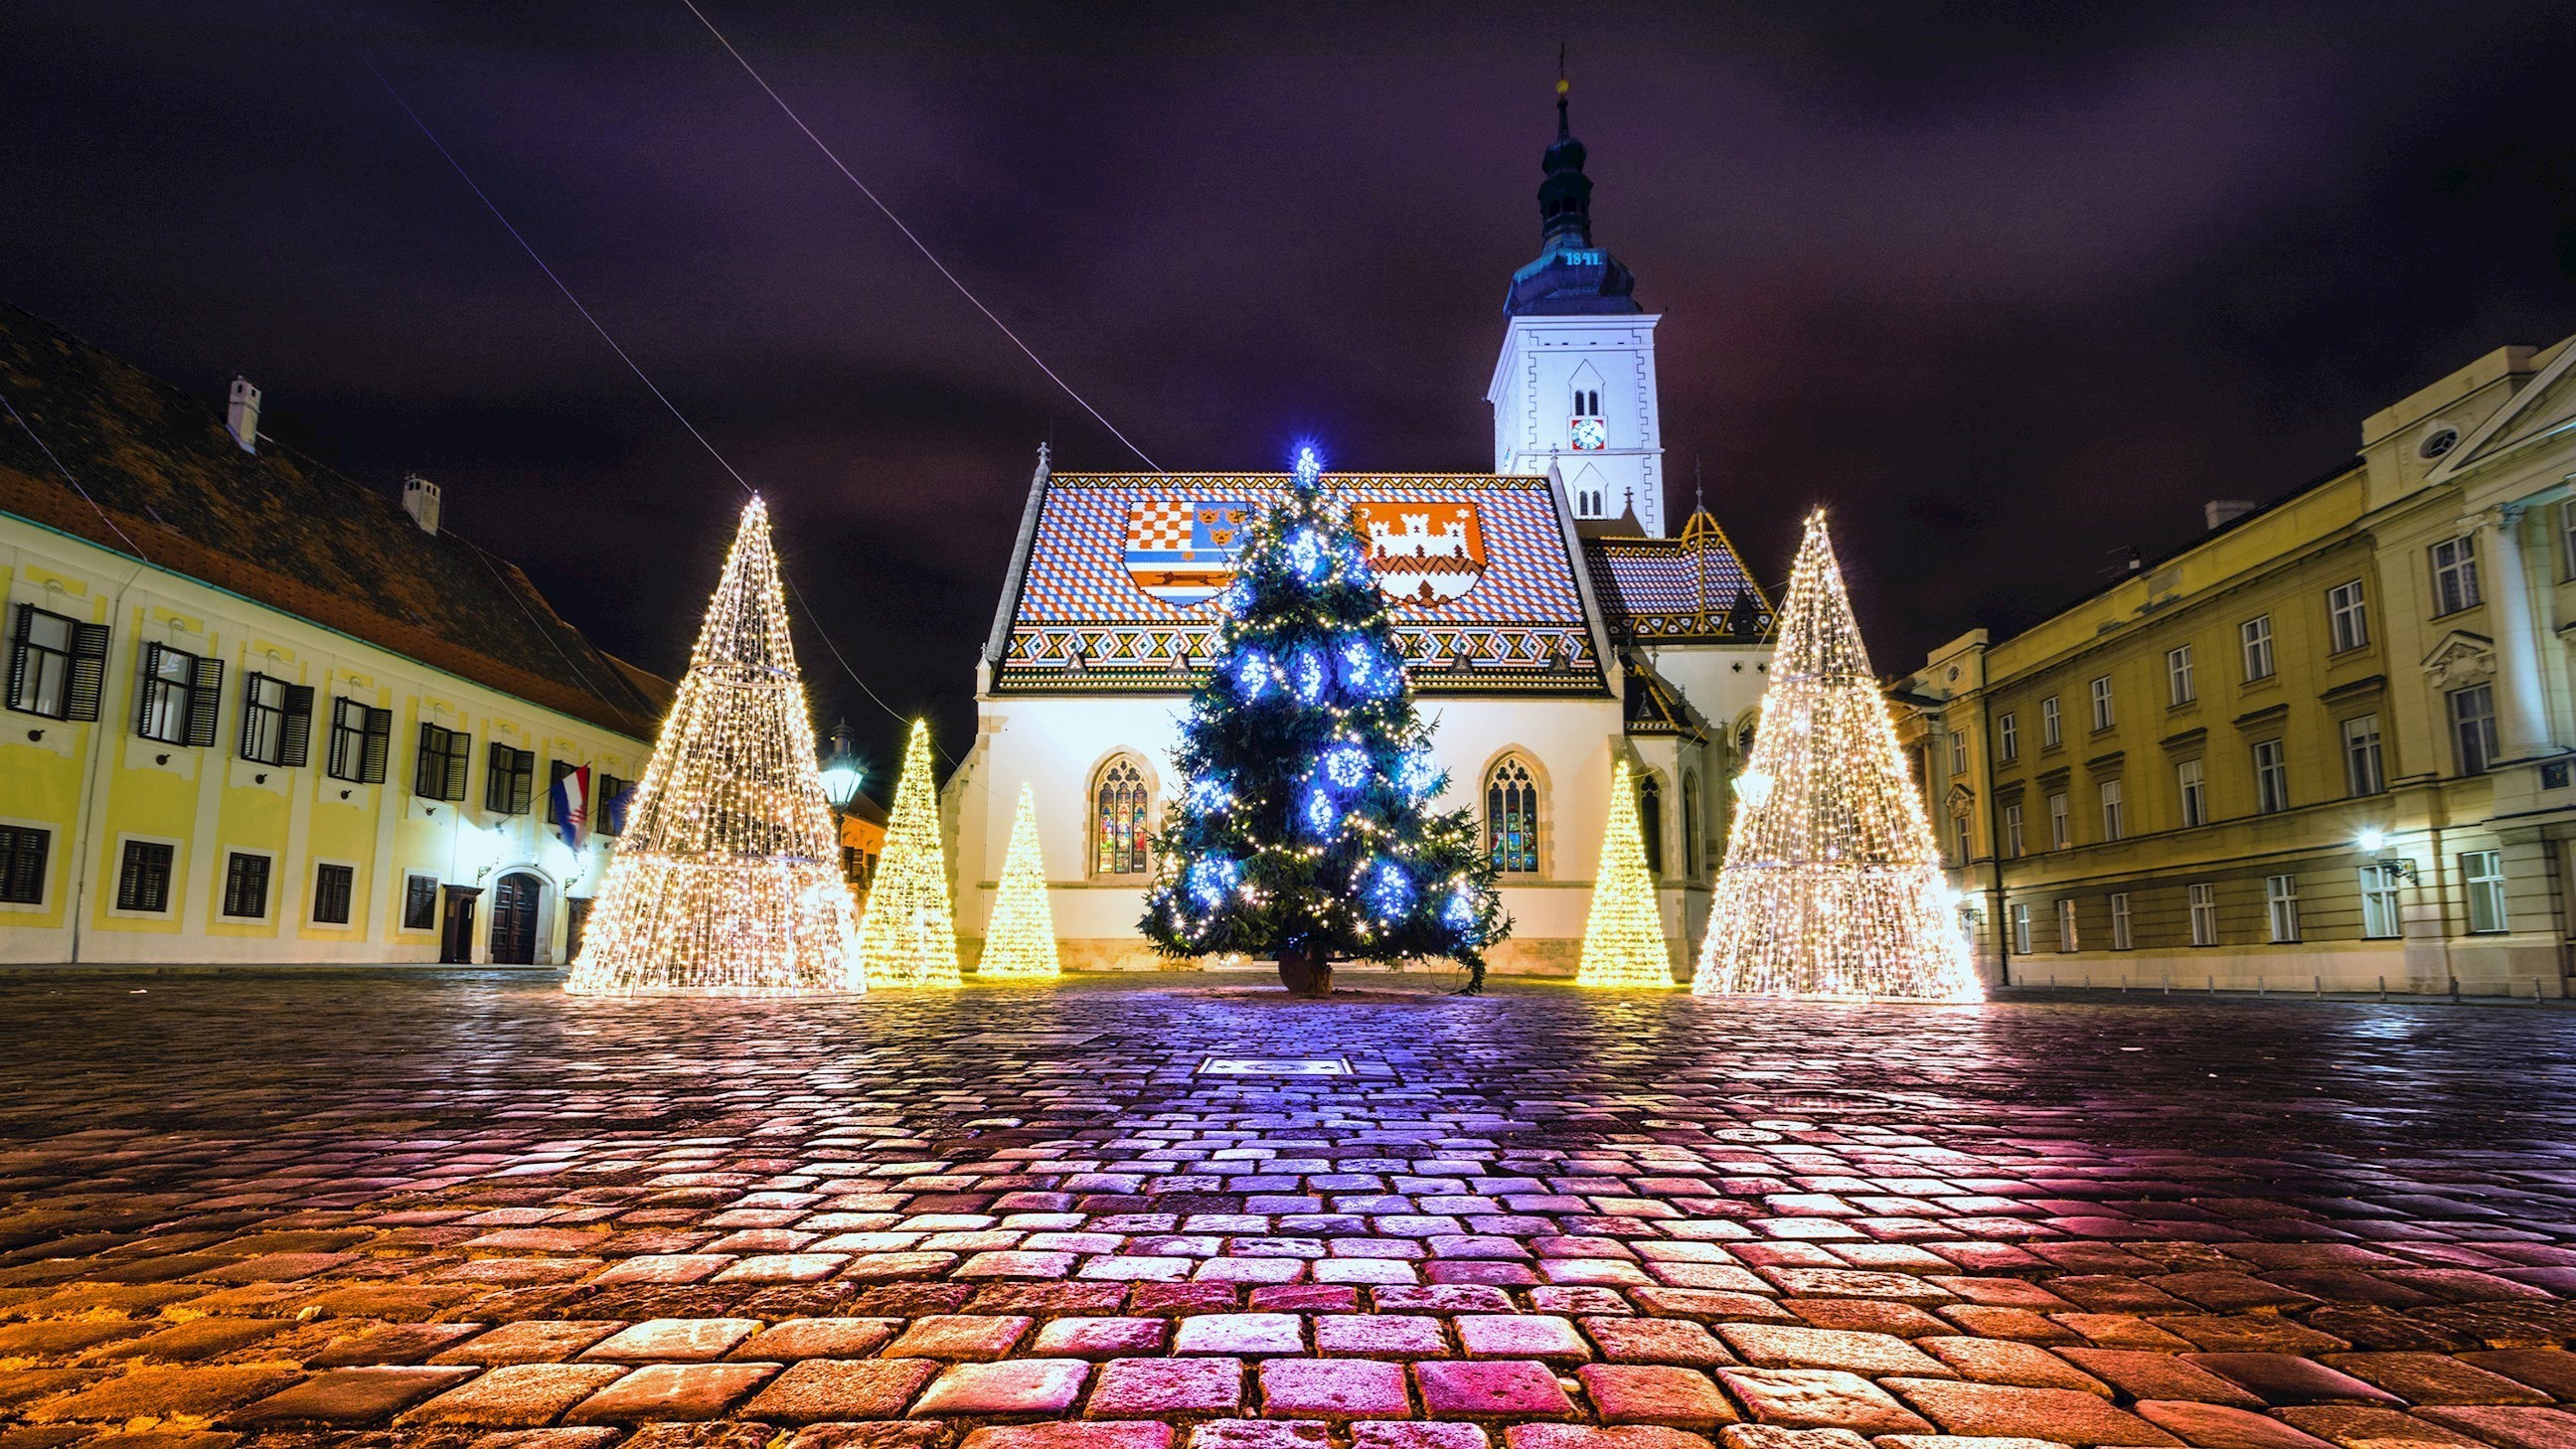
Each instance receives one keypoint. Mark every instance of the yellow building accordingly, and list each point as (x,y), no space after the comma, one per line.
(2324,746)
(258,712)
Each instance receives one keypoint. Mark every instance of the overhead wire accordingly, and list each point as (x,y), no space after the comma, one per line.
(622,355)
(909,235)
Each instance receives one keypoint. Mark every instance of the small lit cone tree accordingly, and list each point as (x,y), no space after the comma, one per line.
(1303,829)
(1623,938)
(909,937)
(1832,885)
(1019,941)
(728,877)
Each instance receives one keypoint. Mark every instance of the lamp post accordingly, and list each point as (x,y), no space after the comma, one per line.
(842,775)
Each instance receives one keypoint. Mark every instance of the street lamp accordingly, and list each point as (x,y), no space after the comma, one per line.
(841,770)
(2372,840)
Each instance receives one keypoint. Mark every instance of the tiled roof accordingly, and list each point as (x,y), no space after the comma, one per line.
(283,531)
(1691,588)
(1114,593)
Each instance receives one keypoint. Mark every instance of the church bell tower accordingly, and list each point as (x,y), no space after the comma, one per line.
(1574,389)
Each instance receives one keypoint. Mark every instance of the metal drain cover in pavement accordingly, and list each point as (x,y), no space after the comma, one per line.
(1031,1038)
(1275,1067)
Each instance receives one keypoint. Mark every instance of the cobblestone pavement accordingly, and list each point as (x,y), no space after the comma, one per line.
(462,1209)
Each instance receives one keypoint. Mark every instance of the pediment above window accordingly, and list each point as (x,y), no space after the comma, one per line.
(2460,658)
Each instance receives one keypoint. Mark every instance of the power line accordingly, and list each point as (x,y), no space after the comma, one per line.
(622,355)
(908,235)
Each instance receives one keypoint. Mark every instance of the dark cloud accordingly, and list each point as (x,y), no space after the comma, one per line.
(2008,286)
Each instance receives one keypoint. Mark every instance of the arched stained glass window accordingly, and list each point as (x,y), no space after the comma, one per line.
(1650,820)
(1118,812)
(1511,816)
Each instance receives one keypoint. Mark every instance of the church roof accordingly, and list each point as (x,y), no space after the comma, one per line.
(1113,592)
(283,531)
(1691,589)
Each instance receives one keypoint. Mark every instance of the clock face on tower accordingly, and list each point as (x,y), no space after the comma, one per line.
(1591,435)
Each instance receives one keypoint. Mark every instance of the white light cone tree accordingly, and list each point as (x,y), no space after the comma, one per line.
(728,879)
(909,937)
(1832,885)
(1623,938)
(1019,941)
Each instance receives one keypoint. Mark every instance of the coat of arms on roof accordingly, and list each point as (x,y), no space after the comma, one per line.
(1424,553)
(1182,551)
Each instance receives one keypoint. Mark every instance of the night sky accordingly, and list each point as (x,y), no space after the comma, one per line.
(2008,287)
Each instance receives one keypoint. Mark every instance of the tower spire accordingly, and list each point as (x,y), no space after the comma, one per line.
(1571,276)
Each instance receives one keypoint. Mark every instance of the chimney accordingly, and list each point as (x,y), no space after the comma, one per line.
(420,500)
(241,415)
(2223,511)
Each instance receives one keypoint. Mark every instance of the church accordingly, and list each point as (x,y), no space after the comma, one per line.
(1552,627)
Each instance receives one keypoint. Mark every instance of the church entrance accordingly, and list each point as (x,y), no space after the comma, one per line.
(514,919)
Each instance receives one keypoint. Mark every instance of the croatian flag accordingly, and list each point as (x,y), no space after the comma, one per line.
(572,796)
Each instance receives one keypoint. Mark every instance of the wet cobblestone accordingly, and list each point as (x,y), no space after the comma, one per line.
(461,1209)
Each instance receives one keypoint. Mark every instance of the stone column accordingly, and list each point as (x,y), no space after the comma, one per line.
(2522,698)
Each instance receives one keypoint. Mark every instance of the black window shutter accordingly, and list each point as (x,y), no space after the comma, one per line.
(425,769)
(460,756)
(380,731)
(205,692)
(522,782)
(143,697)
(250,712)
(298,737)
(496,777)
(89,671)
(18,654)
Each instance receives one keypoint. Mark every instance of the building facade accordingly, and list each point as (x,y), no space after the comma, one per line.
(2326,746)
(1551,629)
(257,712)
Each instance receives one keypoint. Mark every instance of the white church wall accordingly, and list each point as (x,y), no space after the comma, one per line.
(1532,395)
(1059,745)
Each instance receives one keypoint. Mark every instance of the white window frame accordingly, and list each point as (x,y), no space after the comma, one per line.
(2381,916)
(2103,715)
(2281,908)
(2007,737)
(2191,783)
(2114,823)
(2021,927)
(1958,752)
(2255,636)
(1961,839)
(2068,937)
(2012,831)
(2271,777)
(2061,821)
(2121,937)
(2454,563)
(2347,617)
(2203,898)
(2481,758)
(2179,686)
(2482,882)
(2052,727)
(2364,765)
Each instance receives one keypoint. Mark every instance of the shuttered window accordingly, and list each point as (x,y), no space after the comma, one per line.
(179,697)
(511,782)
(246,885)
(439,773)
(277,722)
(333,885)
(611,814)
(23,849)
(420,903)
(361,737)
(57,666)
(143,878)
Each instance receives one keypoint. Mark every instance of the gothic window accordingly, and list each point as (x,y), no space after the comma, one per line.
(1690,825)
(1118,800)
(1511,816)
(1650,819)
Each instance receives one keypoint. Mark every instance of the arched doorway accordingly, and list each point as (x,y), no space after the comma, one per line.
(514,919)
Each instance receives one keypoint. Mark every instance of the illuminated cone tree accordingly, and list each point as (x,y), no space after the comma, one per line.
(728,877)
(1832,885)
(910,935)
(1303,829)
(1623,939)
(1019,941)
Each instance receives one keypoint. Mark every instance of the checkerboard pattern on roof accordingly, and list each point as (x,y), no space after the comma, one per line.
(1663,576)
(1077,572)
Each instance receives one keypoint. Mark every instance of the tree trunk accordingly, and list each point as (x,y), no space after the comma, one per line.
(1304,974)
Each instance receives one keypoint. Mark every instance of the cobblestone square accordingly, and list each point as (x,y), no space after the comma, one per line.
(461,1208)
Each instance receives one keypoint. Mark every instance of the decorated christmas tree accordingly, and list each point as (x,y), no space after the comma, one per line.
(1303,829)
(1019,941)
(1623,938)
(1832,885)
(727,878)
(910,935)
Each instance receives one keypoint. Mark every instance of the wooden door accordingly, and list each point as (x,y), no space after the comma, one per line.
(514,920)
